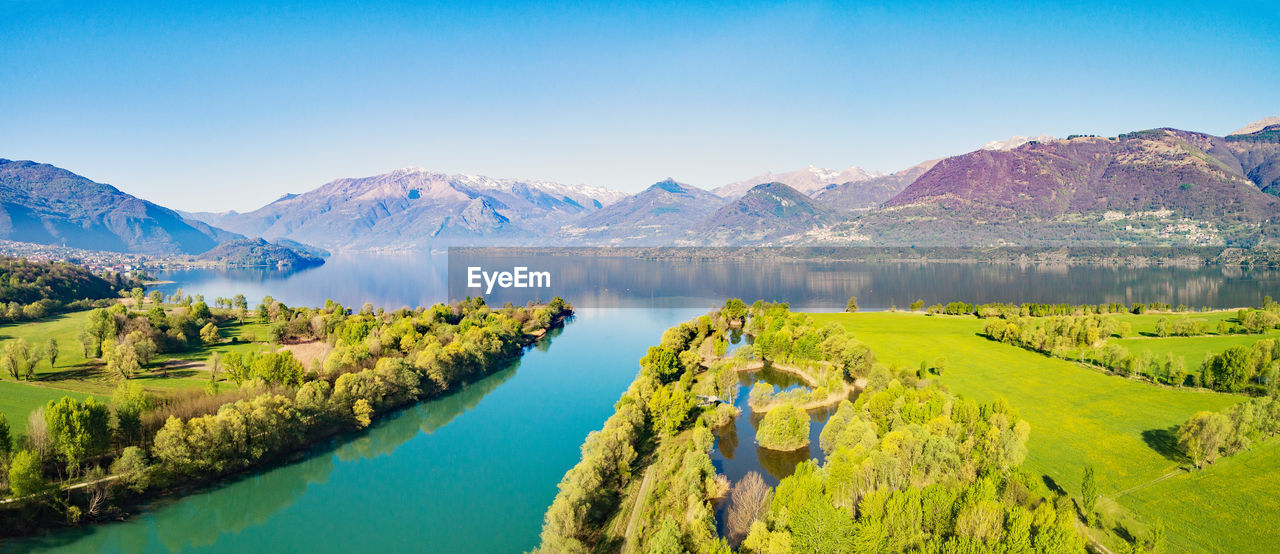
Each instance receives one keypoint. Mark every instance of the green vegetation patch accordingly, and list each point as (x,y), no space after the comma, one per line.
(1191,349)
(1124,428)
(18,400)
(784,428)
(1228,506)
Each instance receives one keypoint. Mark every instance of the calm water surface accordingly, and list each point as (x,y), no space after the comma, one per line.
(395,281)
(474,471)
(471,472)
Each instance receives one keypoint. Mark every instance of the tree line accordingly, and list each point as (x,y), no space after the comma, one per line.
(31,290)
(1253,369)
(658,414)
(1207,436)
(828,355)
(138,444)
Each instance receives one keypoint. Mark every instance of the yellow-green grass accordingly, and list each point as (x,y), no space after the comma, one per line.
(1191,349)
(1232,505)
(18,400)
(1145,324)
(1078,416)
(167,371)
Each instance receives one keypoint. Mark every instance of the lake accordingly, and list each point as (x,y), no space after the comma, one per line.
(474,471)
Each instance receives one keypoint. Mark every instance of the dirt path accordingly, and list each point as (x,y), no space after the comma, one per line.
(1097,546)
(629,545)
(80,485)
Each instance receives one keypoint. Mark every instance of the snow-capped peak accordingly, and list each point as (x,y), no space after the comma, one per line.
(1014,142)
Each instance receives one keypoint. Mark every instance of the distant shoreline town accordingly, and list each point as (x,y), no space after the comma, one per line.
(98,261)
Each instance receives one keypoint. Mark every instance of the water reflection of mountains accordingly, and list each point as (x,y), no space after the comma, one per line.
(633,282)
(257,274)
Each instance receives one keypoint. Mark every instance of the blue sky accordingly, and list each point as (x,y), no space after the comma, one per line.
(228,106)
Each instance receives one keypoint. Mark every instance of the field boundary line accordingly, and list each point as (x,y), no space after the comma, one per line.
(1166,476)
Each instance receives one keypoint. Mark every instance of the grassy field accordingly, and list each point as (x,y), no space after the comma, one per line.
(1078,416)
(17,400)
(1191,349)
(1225,507)
(1145,324)
(79,377)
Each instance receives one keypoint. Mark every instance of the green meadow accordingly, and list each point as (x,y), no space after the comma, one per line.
(1192,350)
(1145,324)
(1079,416)
(77,376)
(1224,507)
(18,400)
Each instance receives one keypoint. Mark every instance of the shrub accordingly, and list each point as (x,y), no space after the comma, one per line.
(785,427)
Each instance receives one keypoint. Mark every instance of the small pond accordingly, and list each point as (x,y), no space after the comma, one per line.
(736,453)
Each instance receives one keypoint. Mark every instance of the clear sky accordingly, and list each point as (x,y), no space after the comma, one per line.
(228,106)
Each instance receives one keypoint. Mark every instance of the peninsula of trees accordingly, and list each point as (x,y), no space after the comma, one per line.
(86,460)
(909,467)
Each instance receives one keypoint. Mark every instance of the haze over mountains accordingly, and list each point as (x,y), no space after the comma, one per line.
(44,204)
(1160,186)
(807,180)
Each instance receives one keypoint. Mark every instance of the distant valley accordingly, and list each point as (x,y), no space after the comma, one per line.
(1152,187)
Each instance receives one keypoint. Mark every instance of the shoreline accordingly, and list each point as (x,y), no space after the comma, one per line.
(831,399)
(134,504)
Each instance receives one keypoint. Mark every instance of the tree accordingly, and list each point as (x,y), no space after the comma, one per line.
(1155,538)
(200,311)
(77,429)
(91,346)
(25,476)
(130,401)
(735,310)
(102,325)
(137,295)
(16,358)
(209,334)
(122,359)
(142,345)
(132,468)
(819,526)
(917,305)
(667,539)
(747,502)
(852,305)
(362,412)
(1202,436)
(241,305)
(1230,370)
(157,297)
(662,363)
(784,427)
(215,363)
(670,408)
(1088,492)
(51,352)
(266,307)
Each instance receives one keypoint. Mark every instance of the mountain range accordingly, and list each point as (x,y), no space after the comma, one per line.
(1158,186)
(808,180)
(44,204)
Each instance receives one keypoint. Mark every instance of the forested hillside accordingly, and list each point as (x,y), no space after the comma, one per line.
(30,290)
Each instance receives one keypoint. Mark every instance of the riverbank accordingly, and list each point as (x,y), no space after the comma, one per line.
(50,509)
